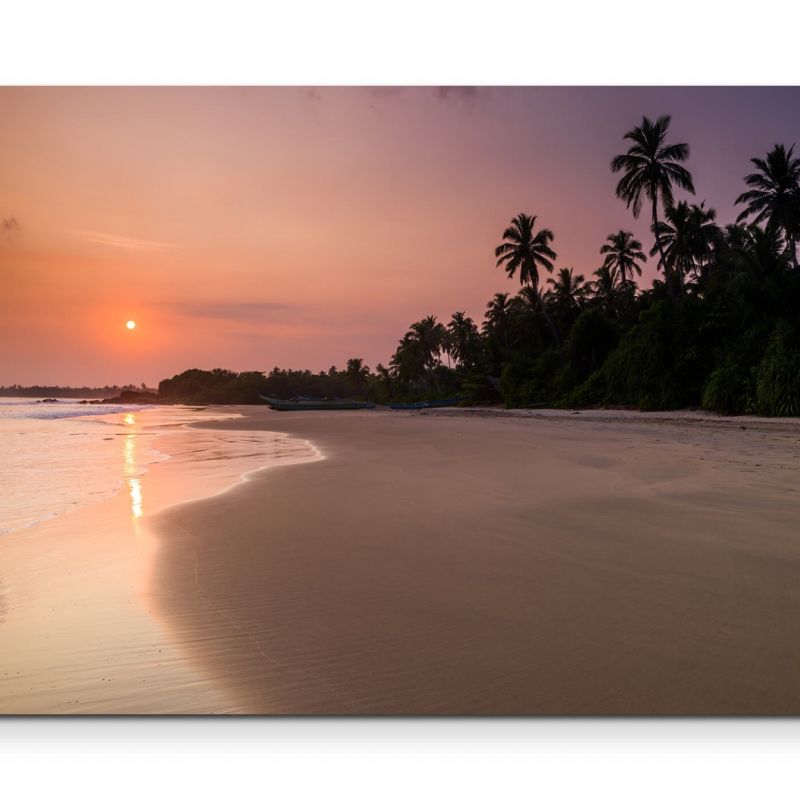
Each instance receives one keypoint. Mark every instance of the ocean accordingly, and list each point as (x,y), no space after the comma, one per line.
(61,456)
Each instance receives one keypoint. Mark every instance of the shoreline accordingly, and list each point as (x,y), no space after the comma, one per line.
(78,628)
(428,566)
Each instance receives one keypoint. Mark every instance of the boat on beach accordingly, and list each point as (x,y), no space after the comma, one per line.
(314,404)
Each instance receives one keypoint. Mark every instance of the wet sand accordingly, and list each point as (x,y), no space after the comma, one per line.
(541,563)
(79,632)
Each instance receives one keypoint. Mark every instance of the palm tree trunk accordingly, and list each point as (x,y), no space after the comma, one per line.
(667,269)
(547,316)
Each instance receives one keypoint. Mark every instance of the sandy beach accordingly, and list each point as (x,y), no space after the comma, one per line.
(450,562)
(528,563)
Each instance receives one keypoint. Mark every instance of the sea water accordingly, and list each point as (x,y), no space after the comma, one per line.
(57,457)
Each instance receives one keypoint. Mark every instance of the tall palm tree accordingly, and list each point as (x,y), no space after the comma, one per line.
(623,253)
(650,168)
(775,195)
(525,251)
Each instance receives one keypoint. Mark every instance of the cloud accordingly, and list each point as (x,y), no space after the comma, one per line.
(124,242)
(9,227)
(233,310)
(386,91)
(457,94)
(288,318)
(451,95)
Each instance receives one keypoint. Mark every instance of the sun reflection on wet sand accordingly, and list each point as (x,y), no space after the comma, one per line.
(131,468)
(136,497)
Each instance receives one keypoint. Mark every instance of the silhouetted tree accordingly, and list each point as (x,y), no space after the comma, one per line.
(687,238)
(622,253)
(463,339)
(650,168)
(419,351)
(774,195)
(607,290)
(525,252)
(566,295)
(497,322)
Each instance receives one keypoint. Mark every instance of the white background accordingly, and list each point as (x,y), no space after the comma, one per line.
(404,42)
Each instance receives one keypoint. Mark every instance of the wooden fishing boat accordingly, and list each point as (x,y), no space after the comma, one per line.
(314,404)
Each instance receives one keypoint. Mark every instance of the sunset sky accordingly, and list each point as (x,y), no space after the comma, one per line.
(252,227)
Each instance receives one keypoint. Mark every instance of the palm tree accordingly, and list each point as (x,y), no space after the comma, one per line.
(757,250)
(497,321)
(775,195)
(525,251)
(674,238)
(463,339)
(687,238)
(357,371)
(622,253)
(705,235)
(735,235)
(383,379)
(651,168)
(526,318)
(418,352)
(406,363)
(567,293)
(430,336)
(606,288)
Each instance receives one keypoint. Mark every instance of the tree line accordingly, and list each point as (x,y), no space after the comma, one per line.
(718,328)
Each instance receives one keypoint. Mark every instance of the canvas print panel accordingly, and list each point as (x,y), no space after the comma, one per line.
(393,400)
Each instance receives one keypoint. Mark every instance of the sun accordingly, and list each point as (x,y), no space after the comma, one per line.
(130,324)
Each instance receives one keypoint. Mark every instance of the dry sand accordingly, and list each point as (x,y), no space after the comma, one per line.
(497,564)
